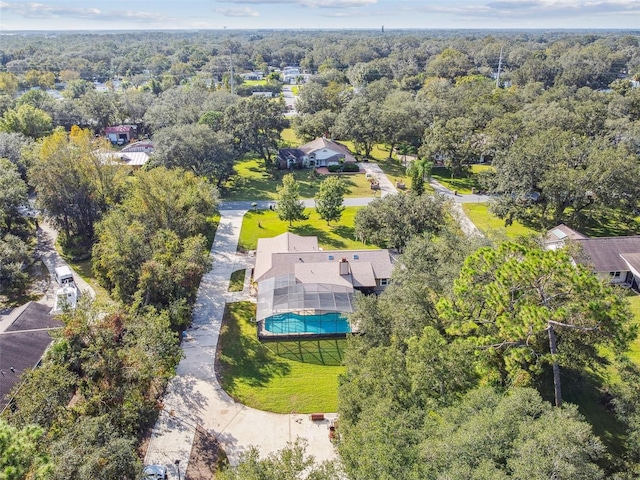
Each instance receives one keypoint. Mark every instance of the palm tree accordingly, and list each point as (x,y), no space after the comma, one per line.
(418,170)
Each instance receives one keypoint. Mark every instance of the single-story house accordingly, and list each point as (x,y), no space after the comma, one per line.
(320,152)
(614,258)
(253,76)
(120,134)
(304,290)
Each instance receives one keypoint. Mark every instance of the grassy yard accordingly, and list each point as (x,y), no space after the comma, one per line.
(290,138)
(488,223)
(464,182)
(608,222)
(282,377)
(266,224)
(236,284)
(252,182)
(254,83)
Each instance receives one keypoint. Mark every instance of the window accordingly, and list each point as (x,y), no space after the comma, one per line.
(384,282)
(614,274)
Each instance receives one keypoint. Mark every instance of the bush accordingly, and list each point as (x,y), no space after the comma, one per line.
(350,167)
(334,168)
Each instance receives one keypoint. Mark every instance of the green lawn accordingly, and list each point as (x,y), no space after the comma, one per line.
(488,223)
(266,224)
(252,182)
(464,182)
(253,83)
(609,222)
(236,284)
(290,138)
(282,377)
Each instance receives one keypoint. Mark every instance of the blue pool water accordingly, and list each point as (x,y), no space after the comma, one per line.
(289,323)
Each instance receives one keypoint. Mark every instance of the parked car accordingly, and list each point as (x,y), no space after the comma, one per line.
(154,472)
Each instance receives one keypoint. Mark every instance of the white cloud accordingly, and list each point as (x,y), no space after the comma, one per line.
(309,3)
(40,10)
(34,10)
(536,8)
(238,12)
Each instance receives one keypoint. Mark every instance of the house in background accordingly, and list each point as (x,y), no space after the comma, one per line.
(616,259)
(253,76)
(120,134)
(304,290)
(134,155)
(320,152)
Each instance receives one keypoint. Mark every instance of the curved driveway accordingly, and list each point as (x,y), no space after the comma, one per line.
(195,398)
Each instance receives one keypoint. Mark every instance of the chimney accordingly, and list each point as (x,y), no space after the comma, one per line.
(344,267)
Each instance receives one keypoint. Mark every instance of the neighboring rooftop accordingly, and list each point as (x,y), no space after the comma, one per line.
(145,146)
(606,254)
(119,129)
(22,345)
(562,233)
(132,159)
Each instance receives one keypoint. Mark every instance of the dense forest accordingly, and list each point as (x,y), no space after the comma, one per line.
(453,377)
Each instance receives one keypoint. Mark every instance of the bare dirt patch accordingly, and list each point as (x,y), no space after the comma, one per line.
(206,457)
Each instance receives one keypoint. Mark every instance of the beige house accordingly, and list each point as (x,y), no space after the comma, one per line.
(304,290)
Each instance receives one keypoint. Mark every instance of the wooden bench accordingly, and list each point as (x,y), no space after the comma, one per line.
(317,417)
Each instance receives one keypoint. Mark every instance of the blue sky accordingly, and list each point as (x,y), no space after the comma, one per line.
(312,14)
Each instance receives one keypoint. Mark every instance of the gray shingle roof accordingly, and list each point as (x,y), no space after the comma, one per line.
(605,253)
(22,345)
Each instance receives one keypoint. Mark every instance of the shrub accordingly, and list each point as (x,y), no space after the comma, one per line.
(350,167)
(334,168)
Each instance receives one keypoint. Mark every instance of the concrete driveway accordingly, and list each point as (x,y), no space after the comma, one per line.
(194,396)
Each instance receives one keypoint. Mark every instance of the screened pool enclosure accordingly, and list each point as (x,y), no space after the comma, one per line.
(289,308)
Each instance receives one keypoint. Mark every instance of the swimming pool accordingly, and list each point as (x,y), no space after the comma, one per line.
(293,323)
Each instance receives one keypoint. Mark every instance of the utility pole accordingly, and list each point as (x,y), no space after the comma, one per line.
(499,68)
